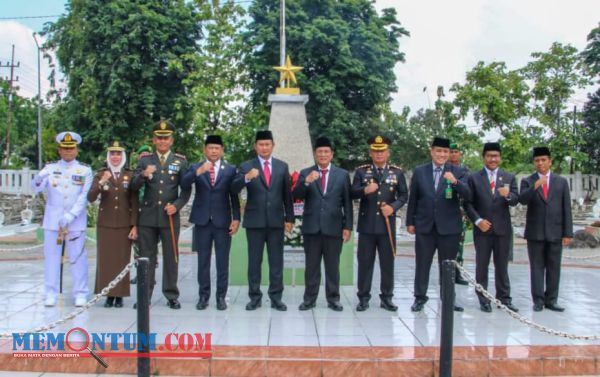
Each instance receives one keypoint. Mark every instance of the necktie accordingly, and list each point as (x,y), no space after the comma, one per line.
(267,172)
(117,175)
(162,160)
(212,173)
(438,173)
(492,182)
(545,190)
(324,179)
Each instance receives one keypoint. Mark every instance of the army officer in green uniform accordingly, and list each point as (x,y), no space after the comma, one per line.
(159,174)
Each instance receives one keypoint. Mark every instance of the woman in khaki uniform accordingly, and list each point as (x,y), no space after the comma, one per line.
(117,219)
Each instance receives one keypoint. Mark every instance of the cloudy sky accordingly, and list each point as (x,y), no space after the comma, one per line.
(447,38)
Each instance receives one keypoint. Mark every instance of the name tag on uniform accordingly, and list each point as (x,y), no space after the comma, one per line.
(78,179)
(173,169)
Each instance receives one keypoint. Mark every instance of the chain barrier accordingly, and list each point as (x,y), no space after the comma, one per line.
(582,257)
(79,310)
(493,300)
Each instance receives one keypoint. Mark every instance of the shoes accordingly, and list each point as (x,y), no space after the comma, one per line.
(458,308)
(253,304)
(538,307)
(511,307)
(50,301)
(221,304)
(135,305)
(202,303)
(388,305)
(133,281)
(460,281)
(362,306)
(173,303)
(278,305)
(418,305)
(306,306)
(118,302)
(335,306)
(80,301)
(555,307)
(485,307)
(110,302)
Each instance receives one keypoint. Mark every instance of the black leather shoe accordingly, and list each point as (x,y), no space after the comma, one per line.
(110,301)
(306,306)
(133,281)
(135,305)
(418,305)
(554,307)
(335,306)
(510,306)
(221,304)
(253,304)
(173,304)
(460,281)
(458,308)
(485,307)
(388,305)
(538,307)
(278,305)
(362,306)
(118,302)
(202,304)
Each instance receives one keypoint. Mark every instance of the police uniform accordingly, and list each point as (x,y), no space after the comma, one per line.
(372,229)
(66,185)
(161,188)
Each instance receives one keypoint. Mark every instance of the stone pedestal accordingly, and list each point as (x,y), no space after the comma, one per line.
(290,130)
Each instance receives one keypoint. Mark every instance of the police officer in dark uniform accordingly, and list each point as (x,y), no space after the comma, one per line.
(160,174)
(382,191)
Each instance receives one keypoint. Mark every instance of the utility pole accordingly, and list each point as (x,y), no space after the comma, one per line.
(282,38)
(39,120)
(9,117)
(574,135)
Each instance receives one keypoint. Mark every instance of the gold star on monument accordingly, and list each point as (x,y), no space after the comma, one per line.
(287,74)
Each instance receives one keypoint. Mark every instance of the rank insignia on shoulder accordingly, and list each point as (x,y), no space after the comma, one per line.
(180,156)
(145,154)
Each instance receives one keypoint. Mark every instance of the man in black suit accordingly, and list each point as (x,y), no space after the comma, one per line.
(159,175)
(326,223)
(434,214)
(456,160)
(493,191)
(269,210)
(216,215)
(548,227)
(382,191)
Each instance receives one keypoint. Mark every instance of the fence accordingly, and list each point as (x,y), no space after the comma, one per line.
(17,182)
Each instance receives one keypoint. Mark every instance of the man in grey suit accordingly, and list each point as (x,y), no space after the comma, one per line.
(326,223)
(434,214)
(493,192)
(160,174)
(269,211)
(548,227)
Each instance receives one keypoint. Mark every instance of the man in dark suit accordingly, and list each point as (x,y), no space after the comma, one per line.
(216,215)
(159,174)
(269,211)
(456,160)
(382,191)
(493,191)
(326,223)
(434,214)
(548,227)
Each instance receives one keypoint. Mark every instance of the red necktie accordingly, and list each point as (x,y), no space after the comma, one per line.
(492,182)
(324,179)
(267,172)
(212,173)
(545,190)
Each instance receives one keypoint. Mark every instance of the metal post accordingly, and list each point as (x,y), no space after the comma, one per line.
(282,37)
(39,120)
(143,315)
(448,270)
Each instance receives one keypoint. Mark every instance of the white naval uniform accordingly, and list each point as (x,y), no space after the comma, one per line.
(66,185)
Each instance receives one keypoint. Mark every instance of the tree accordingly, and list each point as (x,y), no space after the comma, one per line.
(348,52)
(591,54)
(591,132)
(124,64)
(218,81)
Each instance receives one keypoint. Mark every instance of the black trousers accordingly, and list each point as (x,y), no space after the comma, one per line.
(487,245)
(204,238)
(257,238)
(328,248)
(544,264)
(425,246)
(368,245)
(148,239)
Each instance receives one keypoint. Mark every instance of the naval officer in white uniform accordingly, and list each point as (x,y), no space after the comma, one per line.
(66,182)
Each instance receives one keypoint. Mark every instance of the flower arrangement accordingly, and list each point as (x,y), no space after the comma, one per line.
(294,238)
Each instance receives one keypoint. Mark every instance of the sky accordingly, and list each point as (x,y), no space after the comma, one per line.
(447,39)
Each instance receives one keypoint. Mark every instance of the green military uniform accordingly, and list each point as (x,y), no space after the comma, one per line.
(161,188)
(465,225)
